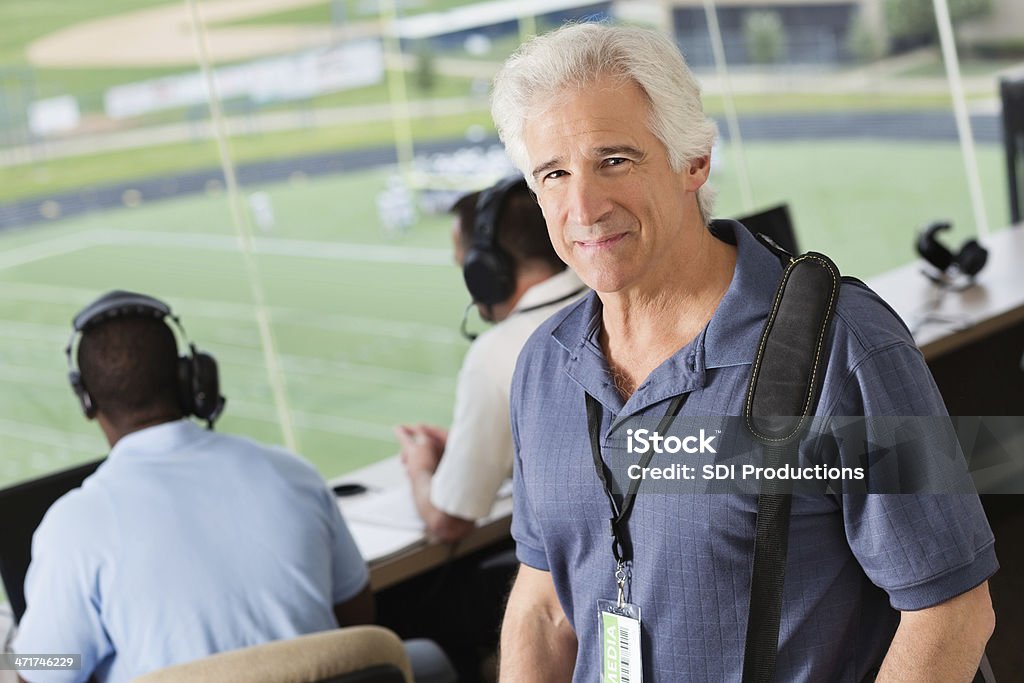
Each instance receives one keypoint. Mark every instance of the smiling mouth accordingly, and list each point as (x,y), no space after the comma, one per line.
(601,242)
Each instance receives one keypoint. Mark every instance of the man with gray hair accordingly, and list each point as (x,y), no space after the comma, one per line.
(607,125)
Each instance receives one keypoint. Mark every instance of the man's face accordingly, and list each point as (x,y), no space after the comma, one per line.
(612,203)
(458,250)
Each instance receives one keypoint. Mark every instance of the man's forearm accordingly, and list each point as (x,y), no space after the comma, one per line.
(942,643)
(537,644)
(446,528)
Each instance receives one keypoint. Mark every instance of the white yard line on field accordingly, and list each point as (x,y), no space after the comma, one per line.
(38,251)
(274,246)
(52,437)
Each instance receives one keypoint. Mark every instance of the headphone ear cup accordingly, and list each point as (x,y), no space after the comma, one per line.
(185,380)
(84,399)
(972,258)
(933,251)
(489,276)
(206,399)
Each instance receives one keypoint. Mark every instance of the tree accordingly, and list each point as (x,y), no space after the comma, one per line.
(764,36)
(426,70)
(915,19)
(863,40)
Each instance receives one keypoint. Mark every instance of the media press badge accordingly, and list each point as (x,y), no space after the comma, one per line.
(621,660)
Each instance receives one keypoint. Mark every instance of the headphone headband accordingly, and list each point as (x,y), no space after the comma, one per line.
(198,381)
(119,303)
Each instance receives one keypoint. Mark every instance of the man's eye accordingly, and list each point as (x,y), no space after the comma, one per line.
(615,161)
(554,174)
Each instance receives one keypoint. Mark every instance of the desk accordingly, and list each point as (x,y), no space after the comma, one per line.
(995,303)
(973,340)
(419,555)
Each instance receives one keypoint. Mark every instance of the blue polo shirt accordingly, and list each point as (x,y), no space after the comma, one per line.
(184,543)
(853,560)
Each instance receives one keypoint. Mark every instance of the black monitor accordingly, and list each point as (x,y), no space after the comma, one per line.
(1011,91)
(774,223)
(21,509)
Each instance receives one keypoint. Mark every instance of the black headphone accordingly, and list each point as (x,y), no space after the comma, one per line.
(198,383)
(969,260)
(489,271)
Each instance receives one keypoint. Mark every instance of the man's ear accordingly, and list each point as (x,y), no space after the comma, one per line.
(696,173)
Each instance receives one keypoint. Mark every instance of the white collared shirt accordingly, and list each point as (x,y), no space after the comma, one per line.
(184,543)
(478,454)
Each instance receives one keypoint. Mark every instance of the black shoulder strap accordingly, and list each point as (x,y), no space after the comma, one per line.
(785,384)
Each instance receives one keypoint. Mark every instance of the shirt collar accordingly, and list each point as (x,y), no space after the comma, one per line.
(730,338)
(553,289)
(166,437)
(732,334)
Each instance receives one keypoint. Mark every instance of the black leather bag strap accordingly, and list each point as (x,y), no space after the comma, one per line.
(785,384)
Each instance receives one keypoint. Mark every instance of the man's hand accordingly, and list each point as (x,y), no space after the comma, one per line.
(438,435)
(421,449)
(943,643)
(537,642)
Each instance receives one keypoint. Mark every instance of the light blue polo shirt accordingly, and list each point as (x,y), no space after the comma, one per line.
(184,543)
(853,561)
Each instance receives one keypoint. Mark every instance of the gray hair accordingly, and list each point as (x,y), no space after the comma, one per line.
(576,55)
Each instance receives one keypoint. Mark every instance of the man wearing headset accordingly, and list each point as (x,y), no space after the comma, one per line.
(185,542)
(516,281)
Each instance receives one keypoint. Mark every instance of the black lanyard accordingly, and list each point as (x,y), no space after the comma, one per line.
(621,548)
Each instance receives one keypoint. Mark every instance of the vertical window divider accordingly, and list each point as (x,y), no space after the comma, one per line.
(243,228)
(731,120)
(963,121)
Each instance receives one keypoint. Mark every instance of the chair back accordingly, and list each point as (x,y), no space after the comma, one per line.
(358,654)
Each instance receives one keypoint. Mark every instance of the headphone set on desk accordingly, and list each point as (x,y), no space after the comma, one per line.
(198,381)
(968,261)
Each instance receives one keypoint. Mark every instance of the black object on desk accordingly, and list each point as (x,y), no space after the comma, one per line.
(21,509)
(345,490)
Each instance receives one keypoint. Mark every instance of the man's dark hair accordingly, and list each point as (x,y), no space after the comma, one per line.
(522,233)
(129,367)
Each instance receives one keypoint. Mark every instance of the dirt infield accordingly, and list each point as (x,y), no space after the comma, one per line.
(162,36)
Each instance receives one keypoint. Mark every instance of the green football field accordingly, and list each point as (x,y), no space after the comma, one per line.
(365,324)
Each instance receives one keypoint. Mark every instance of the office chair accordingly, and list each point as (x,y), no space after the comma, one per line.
(775,223)
(358,654)
(21,509)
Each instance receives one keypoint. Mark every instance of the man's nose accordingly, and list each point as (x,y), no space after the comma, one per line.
(589,201)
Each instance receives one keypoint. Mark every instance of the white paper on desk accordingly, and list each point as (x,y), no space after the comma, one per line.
(393,507)
(377,542)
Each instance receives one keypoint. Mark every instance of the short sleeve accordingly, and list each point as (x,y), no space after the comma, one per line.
(478,453)
(922,549)
(529,541)
(349,571)
(62,592)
